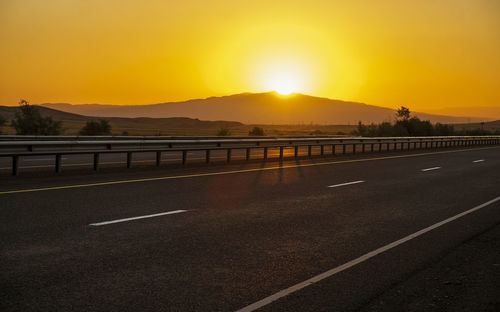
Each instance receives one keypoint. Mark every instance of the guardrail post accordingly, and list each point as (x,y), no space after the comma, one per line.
(265,153)
(129,159)
(353,148)
(58,163)
(248,153)
(96,161)
(207,156)
(184,157)
(309,150)
(296,152)
(343,148)
(228,155)
(372,147)
(158,159)
(333,149)
(362,147)
(15,165)
(322,149)
(281,152)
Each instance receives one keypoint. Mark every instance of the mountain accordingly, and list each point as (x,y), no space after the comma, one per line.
(258,108)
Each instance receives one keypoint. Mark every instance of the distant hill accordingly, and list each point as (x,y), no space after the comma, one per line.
(259,108)
(72,123)
(491,112)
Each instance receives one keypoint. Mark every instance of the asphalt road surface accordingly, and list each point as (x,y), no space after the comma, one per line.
(370,233)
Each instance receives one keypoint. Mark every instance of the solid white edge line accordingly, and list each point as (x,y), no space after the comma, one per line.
(429,169)
(137,218)
(479,160)
(347,183)
(259,304)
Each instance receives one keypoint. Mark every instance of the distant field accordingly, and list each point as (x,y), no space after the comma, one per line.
(118,128)
(491,126)
(72,123)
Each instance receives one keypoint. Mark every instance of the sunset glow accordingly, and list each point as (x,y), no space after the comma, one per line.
(426,55)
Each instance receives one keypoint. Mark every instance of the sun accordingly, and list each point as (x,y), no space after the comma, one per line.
(284,84)
(283,77)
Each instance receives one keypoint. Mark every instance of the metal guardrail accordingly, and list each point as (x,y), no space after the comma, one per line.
(138,137)
(30,147)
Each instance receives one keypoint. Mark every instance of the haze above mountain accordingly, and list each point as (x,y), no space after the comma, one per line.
(260,108)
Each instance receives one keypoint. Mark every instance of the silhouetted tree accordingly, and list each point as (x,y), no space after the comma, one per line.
(29,121)
(256,131)
(403,113)
(101,127)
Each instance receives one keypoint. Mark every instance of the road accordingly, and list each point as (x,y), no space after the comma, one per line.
(248,235)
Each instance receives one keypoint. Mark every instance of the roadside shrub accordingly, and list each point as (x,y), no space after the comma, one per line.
(256,131)
(224,132)
(405,125)
(101,127)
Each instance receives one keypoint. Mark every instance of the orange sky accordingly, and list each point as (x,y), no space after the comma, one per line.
(424,54)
